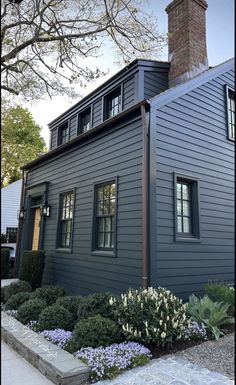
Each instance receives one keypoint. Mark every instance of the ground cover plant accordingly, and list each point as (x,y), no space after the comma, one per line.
(59,337)
(108,362)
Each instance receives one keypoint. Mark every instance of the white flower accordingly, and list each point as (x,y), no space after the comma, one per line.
(163,334)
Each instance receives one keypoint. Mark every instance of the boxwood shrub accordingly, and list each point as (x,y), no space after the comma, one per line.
(15,288)
(31,267)
(93,332)
(5,263)
(49,293)
(30,310)
(54,317)
(17,300)
(71,303)
(95,304)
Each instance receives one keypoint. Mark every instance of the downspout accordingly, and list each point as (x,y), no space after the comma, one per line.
(145,196)
(20,224)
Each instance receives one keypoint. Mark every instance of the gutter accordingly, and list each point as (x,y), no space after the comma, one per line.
(145,196)
(83,137)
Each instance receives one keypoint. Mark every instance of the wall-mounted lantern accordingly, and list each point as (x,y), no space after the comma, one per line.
(21,213)
(46,209)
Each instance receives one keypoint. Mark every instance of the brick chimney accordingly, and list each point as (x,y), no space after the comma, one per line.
(187,39)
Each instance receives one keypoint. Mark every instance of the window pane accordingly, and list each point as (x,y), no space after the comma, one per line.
(100,208)
(180,229)
(185,189)
(108,225)
(106,207)
(186,210)
(107,240)
(179,207)
(186,225)
(112,206)
(179,190)
(100,194)
(100,240)
(101,224)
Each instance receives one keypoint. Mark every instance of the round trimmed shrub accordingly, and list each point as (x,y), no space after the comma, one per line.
(49,293)
(31,267)
(93,332)
(54,317)
(95,304)
(70,303)
(15,288)
(30,310)
(16,300)
(151,315)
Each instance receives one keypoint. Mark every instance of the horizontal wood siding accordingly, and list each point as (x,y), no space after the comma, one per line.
(53,139)
(97,112)
(73,127)
(128,93)
(117,154)
(155,82)
(191,138)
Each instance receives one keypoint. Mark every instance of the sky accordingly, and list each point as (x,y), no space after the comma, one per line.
(220,27)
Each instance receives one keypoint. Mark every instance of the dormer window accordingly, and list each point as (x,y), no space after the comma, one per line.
(85,121)
(112,103)
(63,133)
(230,112)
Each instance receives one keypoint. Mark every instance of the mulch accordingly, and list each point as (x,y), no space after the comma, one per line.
(178,346)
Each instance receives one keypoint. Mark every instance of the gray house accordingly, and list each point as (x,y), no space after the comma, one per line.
(137,188)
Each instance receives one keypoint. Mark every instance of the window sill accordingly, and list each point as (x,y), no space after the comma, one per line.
(102,253)
(187,239)
(63,250)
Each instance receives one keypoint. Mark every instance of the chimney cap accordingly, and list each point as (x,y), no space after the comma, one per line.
(174,3)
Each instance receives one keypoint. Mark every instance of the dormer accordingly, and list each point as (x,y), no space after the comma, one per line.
(140,80)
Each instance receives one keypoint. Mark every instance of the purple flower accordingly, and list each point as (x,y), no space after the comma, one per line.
(112,360)
(58,337)
(195,331)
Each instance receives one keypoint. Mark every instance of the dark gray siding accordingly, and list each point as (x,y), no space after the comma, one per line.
(115,154)
(191,138)
(53,143)
(154,83)
(129,93)
(97,113)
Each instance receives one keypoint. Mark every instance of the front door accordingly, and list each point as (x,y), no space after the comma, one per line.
(36,230)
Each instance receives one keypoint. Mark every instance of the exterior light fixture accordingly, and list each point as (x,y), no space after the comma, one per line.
(21,213)
(46,210)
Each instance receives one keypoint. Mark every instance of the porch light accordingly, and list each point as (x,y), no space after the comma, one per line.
(21,213)
(46,210)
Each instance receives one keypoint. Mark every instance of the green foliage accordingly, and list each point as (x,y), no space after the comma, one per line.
(49,293)
(95,304)
(15,288)
(5,263)
(21,141)
(150,315)
(211,314)
(30,310)
(31,267)
(93,332)
(70,303)
(55,317)
(16,300)
(220,292)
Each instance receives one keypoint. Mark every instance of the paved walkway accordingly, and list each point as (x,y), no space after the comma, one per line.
(17,371)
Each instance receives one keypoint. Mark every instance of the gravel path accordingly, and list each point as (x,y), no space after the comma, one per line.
(213,355)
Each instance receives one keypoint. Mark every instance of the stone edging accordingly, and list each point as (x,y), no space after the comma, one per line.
(59,366)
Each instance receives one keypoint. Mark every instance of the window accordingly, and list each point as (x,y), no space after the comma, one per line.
(11,233)
(231,112)
(65,220)
(113,103)
(85,120)
(187,207)
(63,133)
(105,210)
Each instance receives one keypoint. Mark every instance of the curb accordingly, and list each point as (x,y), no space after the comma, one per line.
(59,366)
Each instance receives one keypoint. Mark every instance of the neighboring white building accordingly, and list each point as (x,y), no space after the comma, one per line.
(10,204)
